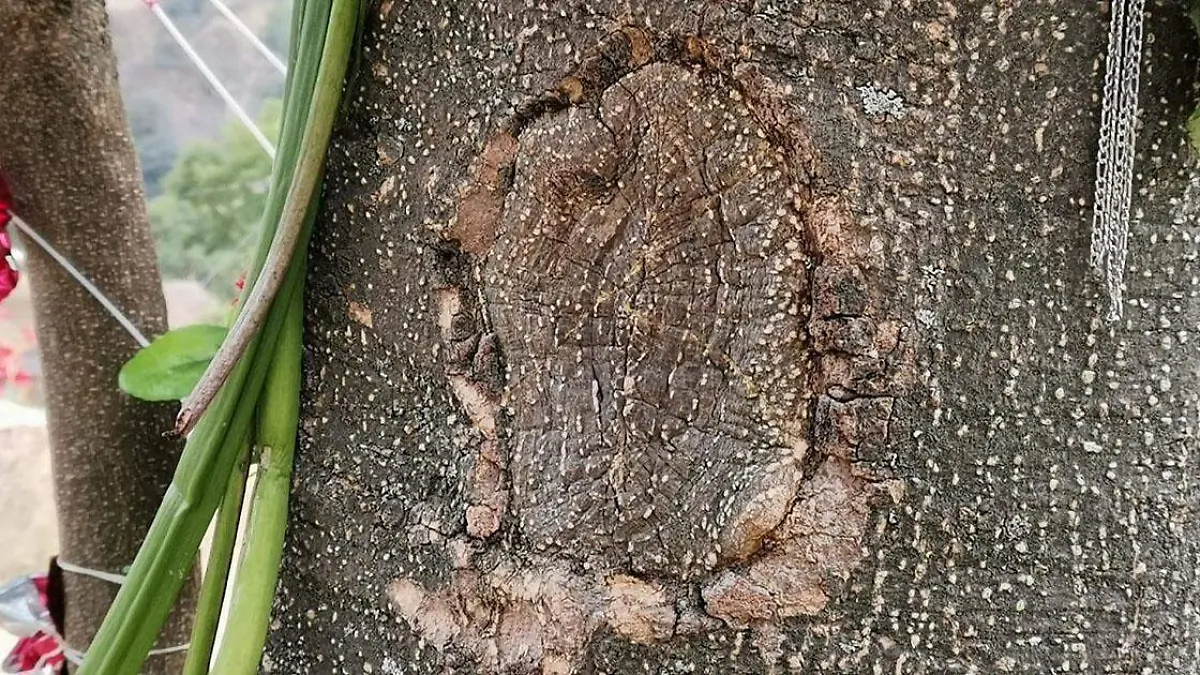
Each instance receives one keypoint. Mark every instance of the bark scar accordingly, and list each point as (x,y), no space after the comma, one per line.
(665,279)
(472,368)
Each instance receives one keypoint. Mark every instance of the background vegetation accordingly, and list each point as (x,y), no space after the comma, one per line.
(205,176)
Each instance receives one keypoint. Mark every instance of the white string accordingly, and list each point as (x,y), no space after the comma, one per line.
(110,577)
(77,656)
(208,74)
(249,35)
(83,281)
(169,650)
(1118,144)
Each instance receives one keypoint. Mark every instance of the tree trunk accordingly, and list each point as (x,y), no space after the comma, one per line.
(745,337)
(65,148)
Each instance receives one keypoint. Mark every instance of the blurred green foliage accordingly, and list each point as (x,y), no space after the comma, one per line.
(1193,122)
(205,218)
(157,149)
(278,32)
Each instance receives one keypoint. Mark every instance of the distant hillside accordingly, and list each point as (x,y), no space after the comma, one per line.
(167,100)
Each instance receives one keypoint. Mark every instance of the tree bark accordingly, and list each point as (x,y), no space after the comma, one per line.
(745,337)
(66,151)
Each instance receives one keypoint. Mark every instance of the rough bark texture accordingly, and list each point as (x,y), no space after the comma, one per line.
(744,337)
(65,148)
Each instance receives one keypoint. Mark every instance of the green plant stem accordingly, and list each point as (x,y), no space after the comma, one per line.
(311,96)
(169,550)
(343,21)
(258,571)
(216,575)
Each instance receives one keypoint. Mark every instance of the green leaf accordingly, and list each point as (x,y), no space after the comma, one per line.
(169,367)
(1193,130)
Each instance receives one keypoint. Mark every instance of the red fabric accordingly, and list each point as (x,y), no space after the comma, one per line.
(8,273)
(8,277)
(37,649)
(6,204)
(31,651)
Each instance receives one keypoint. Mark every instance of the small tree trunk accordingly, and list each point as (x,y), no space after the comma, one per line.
(66,150)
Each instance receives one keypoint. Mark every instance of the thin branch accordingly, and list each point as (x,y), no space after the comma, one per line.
(254,310)
(317,129)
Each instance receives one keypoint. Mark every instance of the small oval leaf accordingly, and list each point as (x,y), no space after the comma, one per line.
(1193,129)
(169,367)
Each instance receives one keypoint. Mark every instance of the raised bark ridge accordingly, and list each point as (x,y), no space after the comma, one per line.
(668,350)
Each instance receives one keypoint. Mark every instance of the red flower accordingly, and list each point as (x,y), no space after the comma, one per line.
(40,651)
(240,285)
(8,273)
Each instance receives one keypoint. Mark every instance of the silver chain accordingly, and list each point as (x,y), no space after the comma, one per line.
(1118,140)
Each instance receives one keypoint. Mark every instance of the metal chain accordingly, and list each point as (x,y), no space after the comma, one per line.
(1104,157)
(1118,144)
